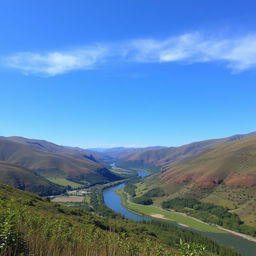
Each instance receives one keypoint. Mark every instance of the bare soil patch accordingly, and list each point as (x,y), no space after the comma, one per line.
(159,216)
(68,199)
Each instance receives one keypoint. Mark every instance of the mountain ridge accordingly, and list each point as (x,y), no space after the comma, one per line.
(51,160)
(158,158)
(227,162)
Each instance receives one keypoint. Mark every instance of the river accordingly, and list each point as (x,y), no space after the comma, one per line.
(113,201)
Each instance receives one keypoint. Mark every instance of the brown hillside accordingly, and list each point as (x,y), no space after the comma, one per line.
(158,158)
(232,164)
(51,160)
(25,179)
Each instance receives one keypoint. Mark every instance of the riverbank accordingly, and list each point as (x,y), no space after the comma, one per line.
(153,211)
(180,218)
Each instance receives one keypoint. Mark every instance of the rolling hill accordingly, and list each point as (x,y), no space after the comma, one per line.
(25,179)
(50,147)
(155,159)
(232,164)
(53,161)
(224,175)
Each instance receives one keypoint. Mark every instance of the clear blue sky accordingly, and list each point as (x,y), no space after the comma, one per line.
(139,72)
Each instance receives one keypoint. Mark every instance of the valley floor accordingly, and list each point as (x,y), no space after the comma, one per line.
(181,218)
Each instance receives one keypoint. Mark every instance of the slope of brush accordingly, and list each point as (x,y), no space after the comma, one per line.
(50,160)
(25,179)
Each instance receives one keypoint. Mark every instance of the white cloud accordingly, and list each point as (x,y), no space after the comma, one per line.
(243,54)
(237,53)
(55,63)
(172,49)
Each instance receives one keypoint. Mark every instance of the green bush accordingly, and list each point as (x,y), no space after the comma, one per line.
(191,249)
(155,192)
(11,241)
(143,200)
(209,213)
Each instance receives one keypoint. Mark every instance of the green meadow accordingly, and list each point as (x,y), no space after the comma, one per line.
(65,182)
(172,216)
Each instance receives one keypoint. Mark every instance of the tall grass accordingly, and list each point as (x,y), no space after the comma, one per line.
(24,231)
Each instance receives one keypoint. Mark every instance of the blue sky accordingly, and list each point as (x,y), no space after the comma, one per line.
(127,73)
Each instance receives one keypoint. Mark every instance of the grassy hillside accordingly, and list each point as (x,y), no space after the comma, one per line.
(25,179)
(232,164)
(155,159)
(50,147)
(31,225)
(53,161)
(224,176)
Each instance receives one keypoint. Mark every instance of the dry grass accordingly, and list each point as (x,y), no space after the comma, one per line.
(68,199)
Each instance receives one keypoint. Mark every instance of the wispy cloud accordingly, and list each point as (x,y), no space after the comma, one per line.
(236,53)
(56,63)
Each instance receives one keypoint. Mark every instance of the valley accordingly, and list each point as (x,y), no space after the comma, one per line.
(205,195)
(128,128)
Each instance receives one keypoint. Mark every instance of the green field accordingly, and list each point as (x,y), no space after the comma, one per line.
(172,216)
(65,182)
(125,173)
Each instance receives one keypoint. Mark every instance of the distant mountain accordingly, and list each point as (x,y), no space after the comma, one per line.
(155,159)
(98,156)
(50,147)
(54,161)
(25,179)
(120,152)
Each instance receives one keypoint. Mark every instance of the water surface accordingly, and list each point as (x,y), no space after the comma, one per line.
(113,201)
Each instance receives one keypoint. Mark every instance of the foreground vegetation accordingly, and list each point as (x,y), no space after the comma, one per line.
(31,225)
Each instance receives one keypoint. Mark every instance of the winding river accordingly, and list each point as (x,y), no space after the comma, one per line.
(113,201)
